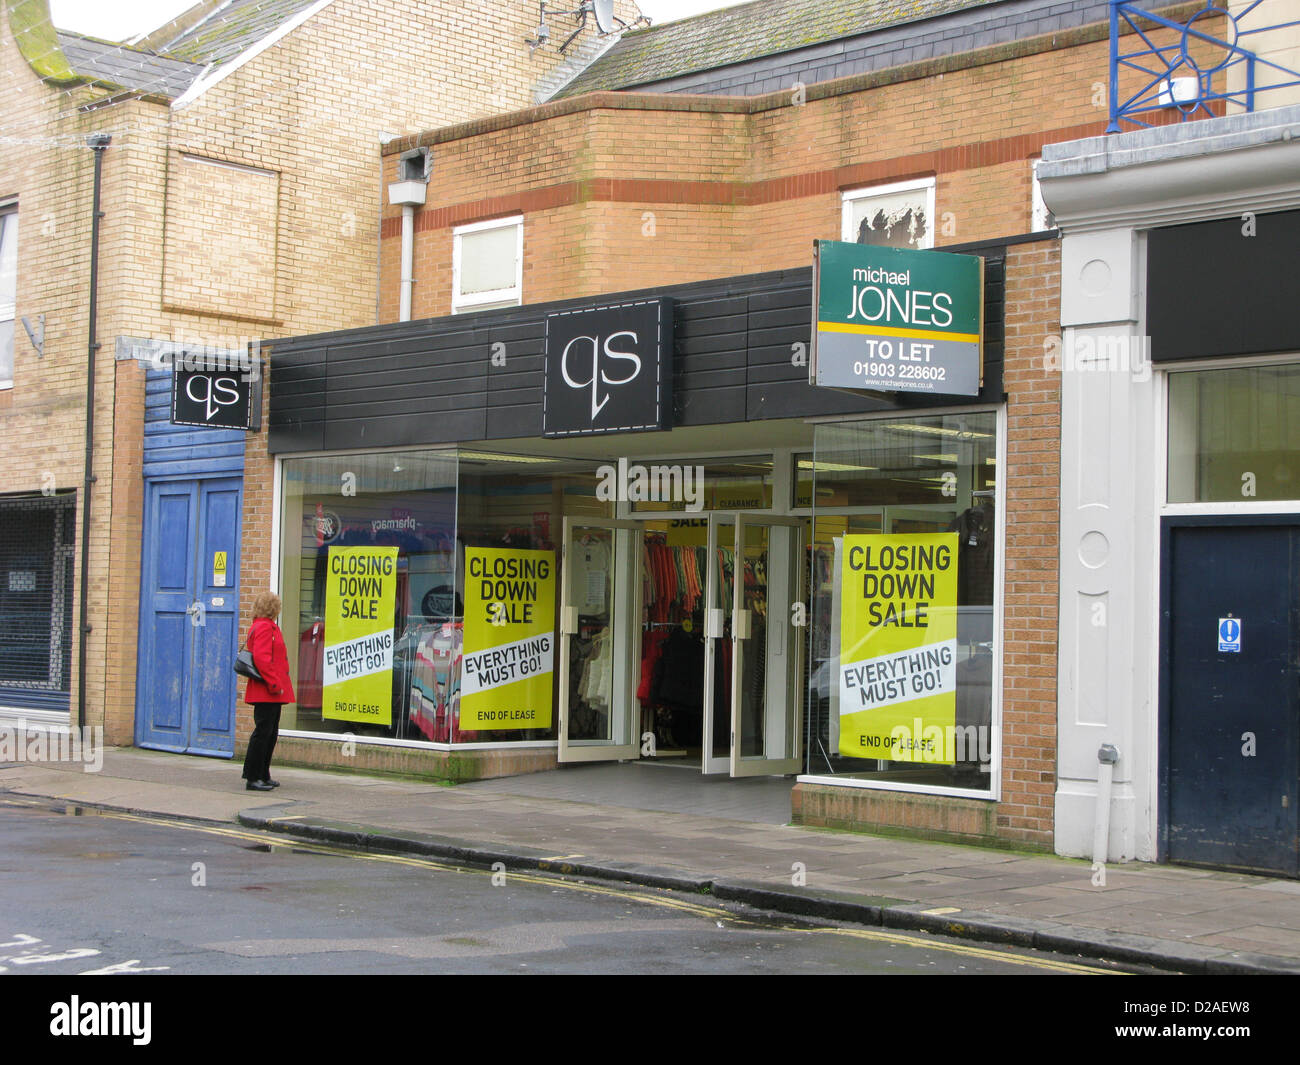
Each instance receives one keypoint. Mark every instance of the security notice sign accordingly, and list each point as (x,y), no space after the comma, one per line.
(360,596)
(898,647)
(509,663)
(896,320)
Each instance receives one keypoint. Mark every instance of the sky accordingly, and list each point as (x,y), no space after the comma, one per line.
(127,18)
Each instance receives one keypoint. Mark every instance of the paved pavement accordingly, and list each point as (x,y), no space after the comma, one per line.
(1192,920)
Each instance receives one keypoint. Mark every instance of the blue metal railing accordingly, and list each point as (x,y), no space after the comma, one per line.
(1170,78)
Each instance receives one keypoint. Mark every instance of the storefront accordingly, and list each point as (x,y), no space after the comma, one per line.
(605,575)
(1180,547)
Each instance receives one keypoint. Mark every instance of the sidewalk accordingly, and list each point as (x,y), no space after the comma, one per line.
(1186,919)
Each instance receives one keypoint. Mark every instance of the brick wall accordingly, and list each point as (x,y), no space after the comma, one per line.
(618,188)
(47,168)
(204,252)
(1032,466)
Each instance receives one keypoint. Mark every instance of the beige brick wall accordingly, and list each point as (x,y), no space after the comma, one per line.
(1280,46)
(204,253)
(220,245)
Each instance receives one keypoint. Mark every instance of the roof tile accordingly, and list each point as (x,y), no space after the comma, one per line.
(745,32)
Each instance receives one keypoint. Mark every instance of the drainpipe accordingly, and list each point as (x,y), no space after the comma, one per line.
(97,142)
(408,192)
(1107,756)
(408,260)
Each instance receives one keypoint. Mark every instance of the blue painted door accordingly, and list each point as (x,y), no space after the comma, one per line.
(1231,728)
(189,616)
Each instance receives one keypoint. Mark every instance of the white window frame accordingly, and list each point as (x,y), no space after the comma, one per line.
(848,198)
(514,293)
(9,310)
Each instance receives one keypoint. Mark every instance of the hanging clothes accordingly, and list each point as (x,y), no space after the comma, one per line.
(652,649)
(311,666)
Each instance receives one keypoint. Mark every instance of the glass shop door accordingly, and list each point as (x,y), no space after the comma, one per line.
(720,556)
(599,662)
(766,646)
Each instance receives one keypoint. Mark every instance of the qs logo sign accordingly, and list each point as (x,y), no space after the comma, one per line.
(598,375)
(216,398)
(212,393)
(609,369)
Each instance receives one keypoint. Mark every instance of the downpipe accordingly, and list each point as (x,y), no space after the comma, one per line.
(408,261)
(1107,756)
(97,142)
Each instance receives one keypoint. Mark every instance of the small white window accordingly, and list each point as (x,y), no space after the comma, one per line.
(899,215)
(488,265)
(8,292)
(1040,218)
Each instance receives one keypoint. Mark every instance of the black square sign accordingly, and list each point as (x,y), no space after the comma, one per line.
(609,369)
(216,394)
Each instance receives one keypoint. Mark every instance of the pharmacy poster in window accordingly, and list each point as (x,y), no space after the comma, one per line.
(509,664)
(360,598)
(898,647)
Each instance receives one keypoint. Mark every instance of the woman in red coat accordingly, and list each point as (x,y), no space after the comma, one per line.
(268,695)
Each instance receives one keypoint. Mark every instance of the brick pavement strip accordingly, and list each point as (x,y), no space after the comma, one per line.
(690,854)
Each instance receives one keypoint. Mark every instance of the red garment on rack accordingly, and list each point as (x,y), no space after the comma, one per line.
(652,647)
(311,665)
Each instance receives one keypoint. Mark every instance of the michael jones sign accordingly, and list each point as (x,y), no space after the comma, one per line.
(896,320)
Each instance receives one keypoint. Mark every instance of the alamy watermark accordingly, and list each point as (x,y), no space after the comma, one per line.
(23,742)
(210,353)
(935,744)
(635,483)
(1099,353)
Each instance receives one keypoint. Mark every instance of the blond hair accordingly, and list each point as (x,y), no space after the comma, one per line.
(266,605)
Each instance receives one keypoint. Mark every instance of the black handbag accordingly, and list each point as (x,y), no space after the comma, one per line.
(244,665)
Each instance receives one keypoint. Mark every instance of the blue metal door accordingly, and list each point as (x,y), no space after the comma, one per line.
(1230,686)
(189,616)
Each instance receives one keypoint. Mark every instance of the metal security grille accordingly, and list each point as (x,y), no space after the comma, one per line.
(36,550)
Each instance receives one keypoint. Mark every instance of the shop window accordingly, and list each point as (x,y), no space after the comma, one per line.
(398,500)
(36,551)
(439,511)
(487,265)
(900,685)
(8,292)
(1234,435)
(898,215)
(512,510)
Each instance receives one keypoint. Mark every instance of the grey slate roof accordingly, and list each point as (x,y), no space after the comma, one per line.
(173,64)
(232,28)
(131,68)
(747,31)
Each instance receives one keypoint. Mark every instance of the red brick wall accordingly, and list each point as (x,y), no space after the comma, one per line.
(1032,465)
(620,191)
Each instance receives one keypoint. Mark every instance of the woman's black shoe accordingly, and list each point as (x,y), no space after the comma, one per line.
(257,785)
(273,783)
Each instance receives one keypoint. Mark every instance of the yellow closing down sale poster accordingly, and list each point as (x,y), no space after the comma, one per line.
(360,595)
(509,663)
(898,647)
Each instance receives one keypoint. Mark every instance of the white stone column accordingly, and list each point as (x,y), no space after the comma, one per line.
(1109,544)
